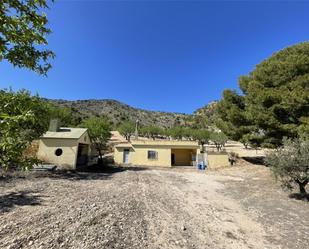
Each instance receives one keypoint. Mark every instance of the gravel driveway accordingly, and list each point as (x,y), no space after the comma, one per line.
(235,208)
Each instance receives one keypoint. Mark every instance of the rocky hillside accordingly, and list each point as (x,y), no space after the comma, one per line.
(119,112)
(208,111)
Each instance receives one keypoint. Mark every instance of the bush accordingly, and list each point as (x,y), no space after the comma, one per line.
(23,118)
(290,163)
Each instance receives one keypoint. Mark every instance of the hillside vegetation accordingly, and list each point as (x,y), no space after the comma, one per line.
(118,112)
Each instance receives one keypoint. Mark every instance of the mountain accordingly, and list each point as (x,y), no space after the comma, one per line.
(208,110)
(118,112)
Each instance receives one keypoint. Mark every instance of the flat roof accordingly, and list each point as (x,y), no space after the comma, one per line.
(159,143)
(124,145)
(66,133)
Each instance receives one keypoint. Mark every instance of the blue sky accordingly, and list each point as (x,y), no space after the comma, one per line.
(159,55)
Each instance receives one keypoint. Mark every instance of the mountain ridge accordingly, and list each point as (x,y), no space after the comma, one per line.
(118,112)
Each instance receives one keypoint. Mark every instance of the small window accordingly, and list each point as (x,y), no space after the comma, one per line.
(58,152)
(152,155)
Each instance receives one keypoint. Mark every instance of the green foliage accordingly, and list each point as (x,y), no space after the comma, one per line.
(118,113)
(180,132)
(175,132)
(23,31)
(23,118)
(151,131)
(202,136)
(275,100)
(253,139)
(64,114)
(290,163)
(233,117)
(219,139)
(127,129)
(99,130)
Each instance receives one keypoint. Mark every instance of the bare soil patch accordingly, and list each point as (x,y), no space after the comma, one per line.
(240,207)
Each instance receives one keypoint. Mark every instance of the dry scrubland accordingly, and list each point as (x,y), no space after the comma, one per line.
(240,207)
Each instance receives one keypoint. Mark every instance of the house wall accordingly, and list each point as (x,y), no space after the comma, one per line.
(217,160)
(84,139)
(139,156)
(47,148)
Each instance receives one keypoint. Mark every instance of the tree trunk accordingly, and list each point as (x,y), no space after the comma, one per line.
(218,147)
(100,160)
(302,186)
(202,147)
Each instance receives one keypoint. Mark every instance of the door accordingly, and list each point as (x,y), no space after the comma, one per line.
(126,155)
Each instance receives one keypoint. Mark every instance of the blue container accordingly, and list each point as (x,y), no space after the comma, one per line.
(201,166)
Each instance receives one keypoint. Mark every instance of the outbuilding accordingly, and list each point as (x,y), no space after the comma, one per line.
(67,148)
(166,153)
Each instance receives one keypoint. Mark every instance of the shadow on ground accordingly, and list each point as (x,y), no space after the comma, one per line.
(299,196)
(94,172)
(257,160)
(21,198)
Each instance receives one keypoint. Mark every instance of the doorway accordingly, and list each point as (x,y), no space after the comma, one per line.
(82,154)
(126,153)
(173,159)
(183,157)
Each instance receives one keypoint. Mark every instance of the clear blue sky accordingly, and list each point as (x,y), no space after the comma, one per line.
(159,55)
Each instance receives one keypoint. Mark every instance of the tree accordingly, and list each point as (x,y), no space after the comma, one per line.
(233,119)
(219,139)
(99,130)
(175,132)
(127,129)
(151,131)
(202,136)
(64,114)
(23,118)
(245,140)
(253,139)
(187,133)
(290,163)
(274,100)
(23,31)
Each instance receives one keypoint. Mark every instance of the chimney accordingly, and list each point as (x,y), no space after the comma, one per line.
(54,125)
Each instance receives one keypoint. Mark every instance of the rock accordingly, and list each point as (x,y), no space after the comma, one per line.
(183,228)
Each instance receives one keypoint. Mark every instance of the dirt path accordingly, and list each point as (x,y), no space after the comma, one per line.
(141,209)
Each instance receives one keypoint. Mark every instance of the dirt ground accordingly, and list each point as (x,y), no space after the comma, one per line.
(234,208)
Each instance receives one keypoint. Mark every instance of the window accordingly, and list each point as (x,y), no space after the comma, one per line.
(152,155)
(58,152)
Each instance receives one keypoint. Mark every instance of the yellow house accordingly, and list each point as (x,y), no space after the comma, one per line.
(66,148)
(166,153)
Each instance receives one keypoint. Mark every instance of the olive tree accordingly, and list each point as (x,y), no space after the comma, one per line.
(99,130)
(176,132)
(127,129)
(219,139)
(202,136)
(290,163)
(151,131)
